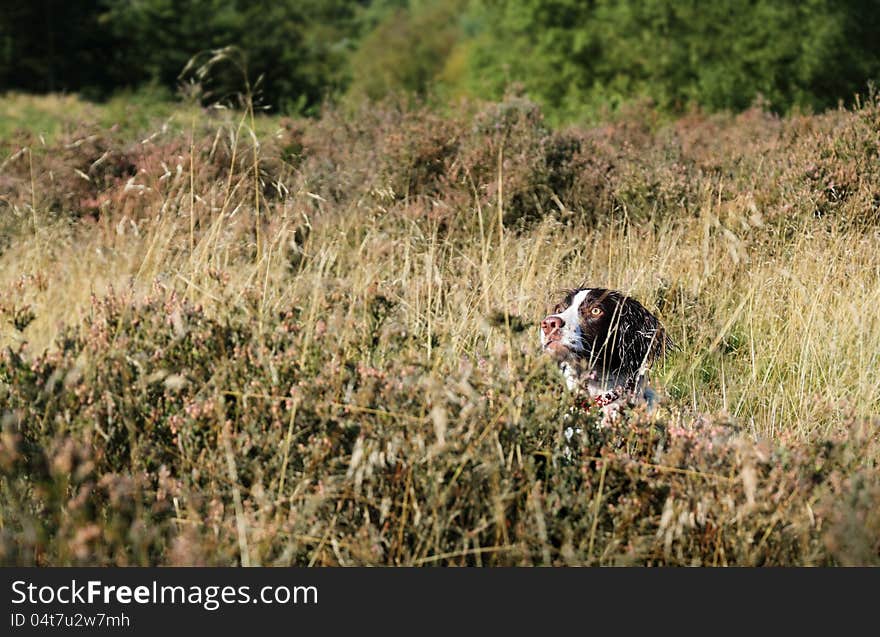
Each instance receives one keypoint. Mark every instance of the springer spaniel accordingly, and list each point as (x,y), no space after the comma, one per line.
(605,343)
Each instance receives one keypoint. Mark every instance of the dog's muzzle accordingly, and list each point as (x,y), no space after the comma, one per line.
(551,329)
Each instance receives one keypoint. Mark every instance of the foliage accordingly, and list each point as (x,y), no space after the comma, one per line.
(58,45)
(296,48)
(579,60)
(406,51)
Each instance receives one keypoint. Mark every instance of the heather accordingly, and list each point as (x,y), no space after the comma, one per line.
(230,338)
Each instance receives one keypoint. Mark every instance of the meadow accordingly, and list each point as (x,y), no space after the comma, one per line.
(229,338)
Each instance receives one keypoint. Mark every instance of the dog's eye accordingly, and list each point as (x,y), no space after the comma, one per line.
(559,308)
(596,311)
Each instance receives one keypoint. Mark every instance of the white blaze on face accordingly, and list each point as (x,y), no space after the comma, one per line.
(570,334)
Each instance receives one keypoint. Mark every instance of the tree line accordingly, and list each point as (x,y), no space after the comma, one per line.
(575,57)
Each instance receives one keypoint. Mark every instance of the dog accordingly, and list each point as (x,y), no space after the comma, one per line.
(605,343)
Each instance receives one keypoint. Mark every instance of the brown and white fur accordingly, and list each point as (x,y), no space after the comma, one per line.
(604,343)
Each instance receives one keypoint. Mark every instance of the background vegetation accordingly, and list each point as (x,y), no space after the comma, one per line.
(312,341)
(576,59)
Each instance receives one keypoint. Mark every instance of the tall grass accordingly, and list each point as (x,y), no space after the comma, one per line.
(317,344)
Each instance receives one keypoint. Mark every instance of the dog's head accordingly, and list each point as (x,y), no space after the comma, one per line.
(605,332)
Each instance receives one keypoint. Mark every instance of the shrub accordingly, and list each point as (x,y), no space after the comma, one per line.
(129,444)
(311,342)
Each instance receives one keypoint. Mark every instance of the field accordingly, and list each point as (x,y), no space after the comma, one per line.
(230,338)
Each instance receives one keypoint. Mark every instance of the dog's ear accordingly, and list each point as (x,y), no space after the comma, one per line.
(640,338)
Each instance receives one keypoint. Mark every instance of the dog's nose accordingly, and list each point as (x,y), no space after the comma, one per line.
(551,324)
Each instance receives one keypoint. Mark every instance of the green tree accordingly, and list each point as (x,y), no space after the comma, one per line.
(576,57)
(298,47)
(407,48)
(56,45)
